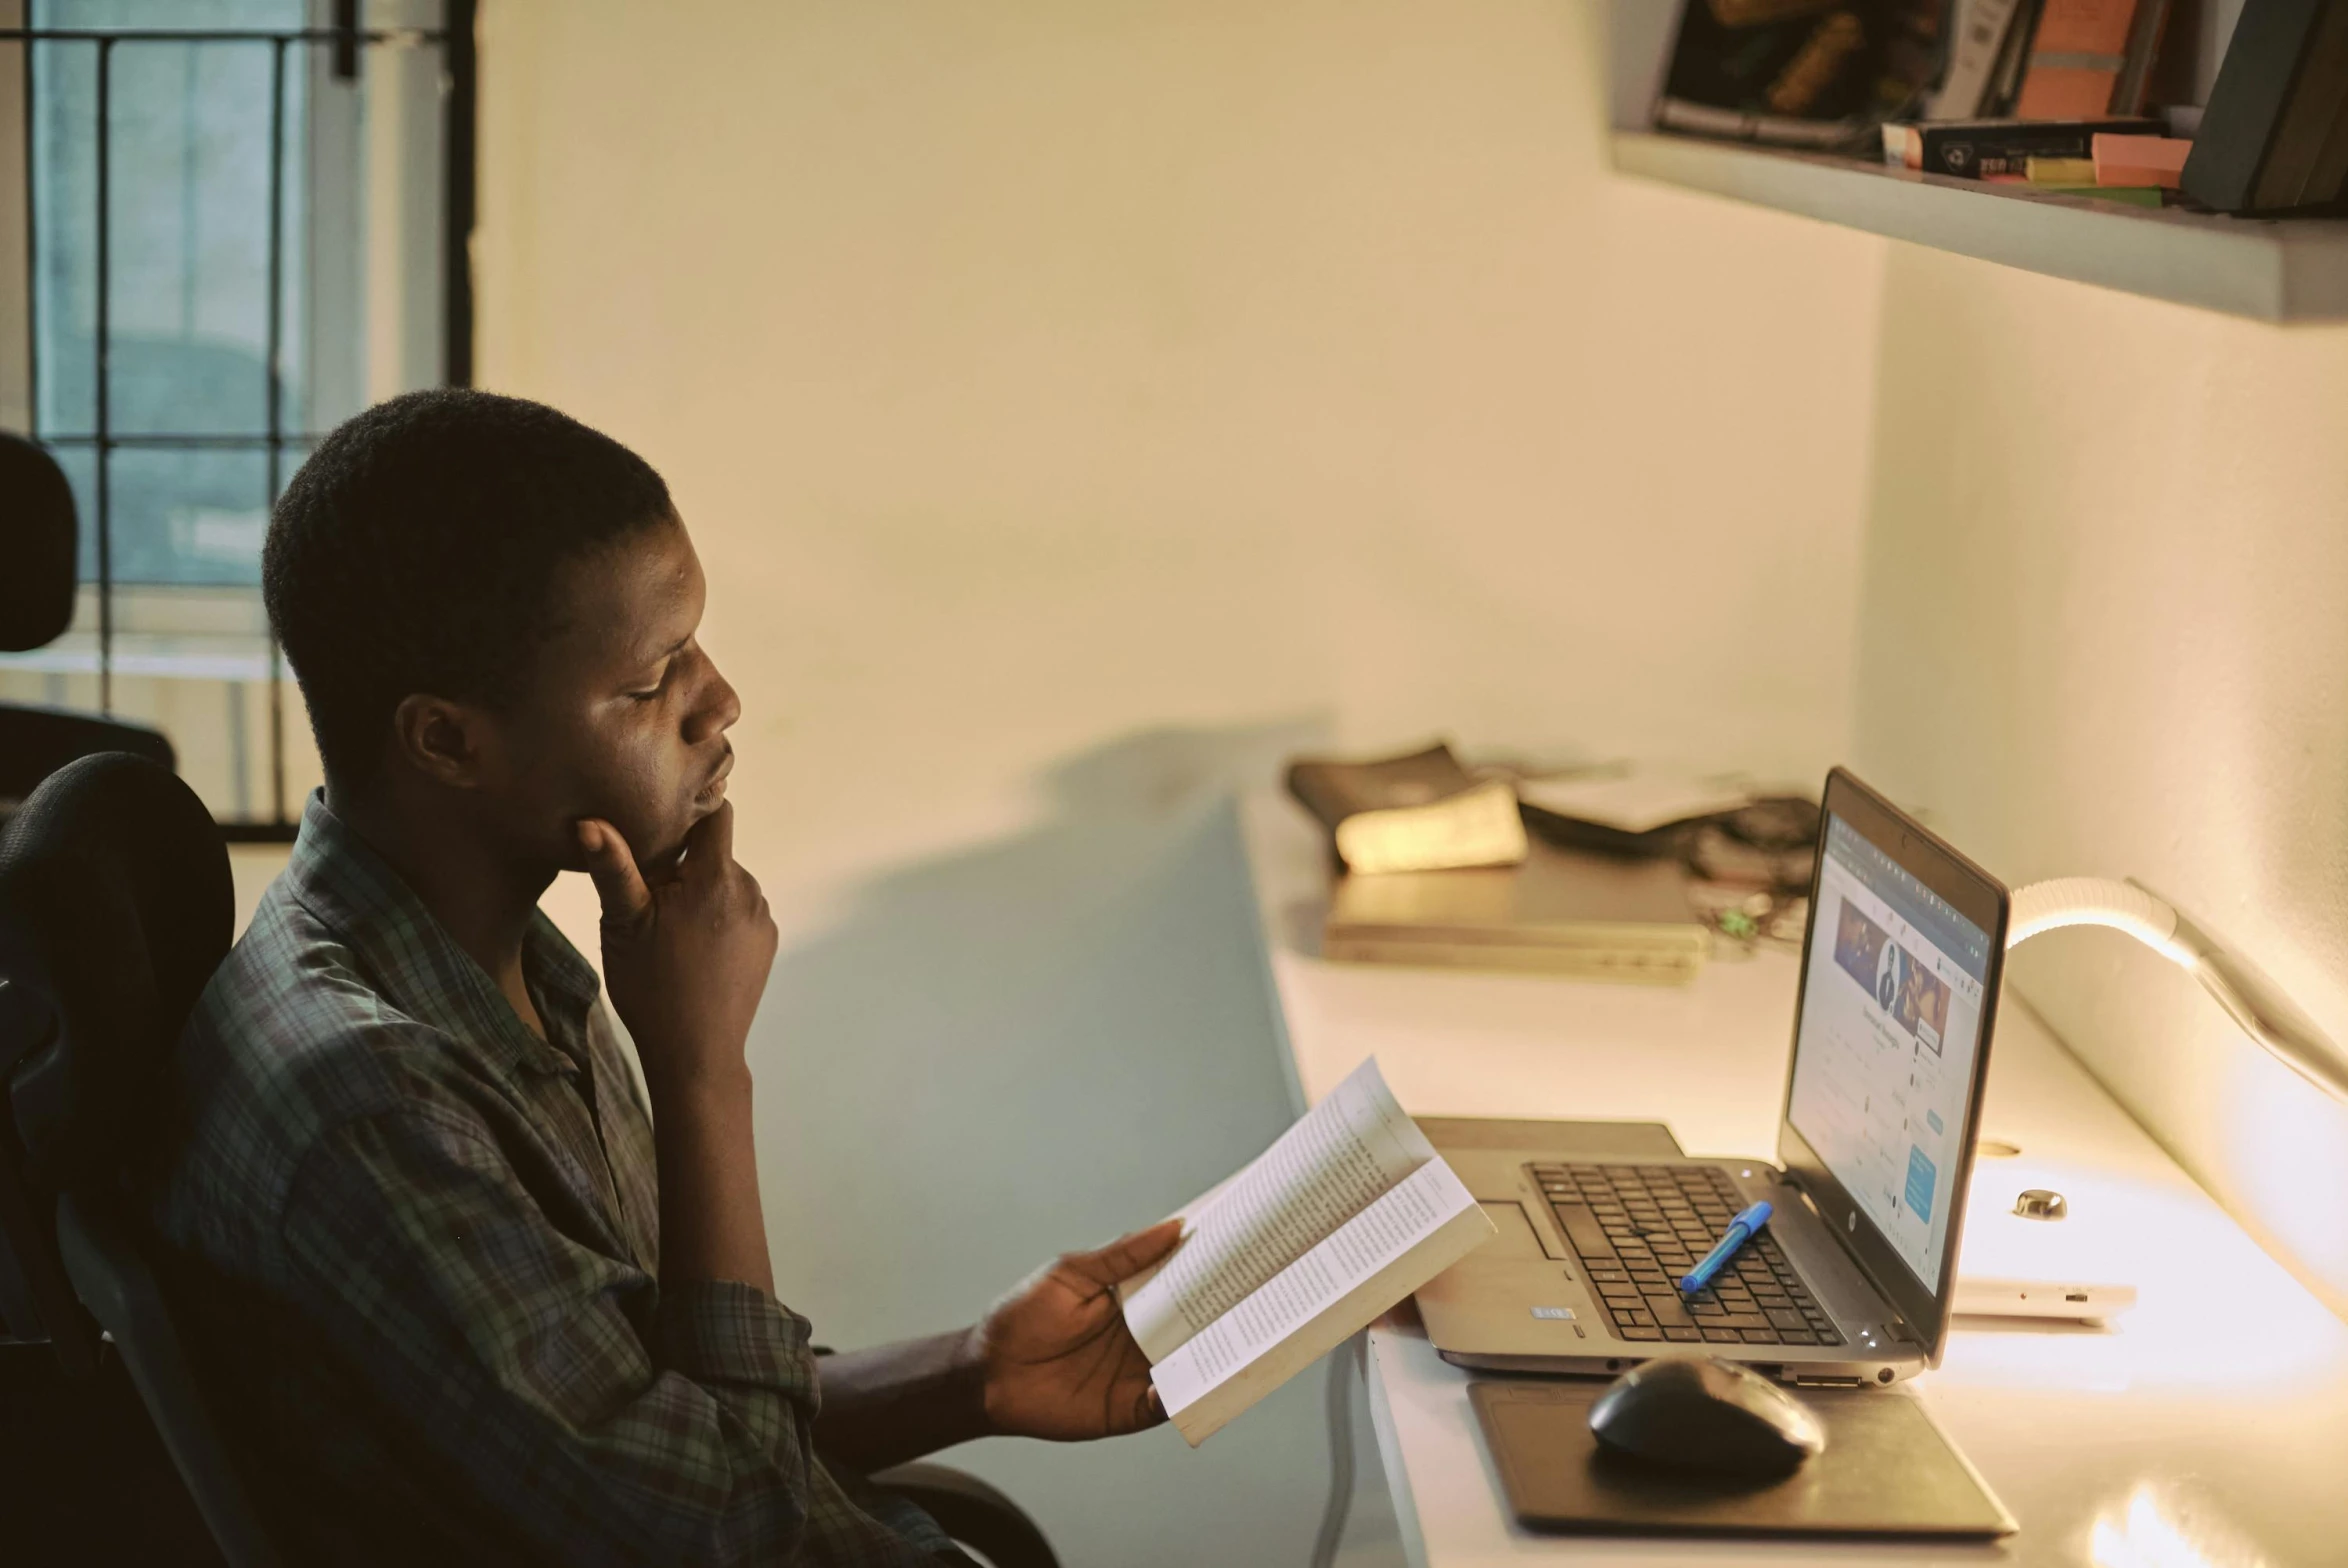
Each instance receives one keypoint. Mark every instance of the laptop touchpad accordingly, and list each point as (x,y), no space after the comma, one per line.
(1516,1238)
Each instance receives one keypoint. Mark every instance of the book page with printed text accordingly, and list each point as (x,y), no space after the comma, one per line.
(1339,1159)
(1403,1239)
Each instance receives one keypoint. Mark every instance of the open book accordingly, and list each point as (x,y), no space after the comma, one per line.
(1349,1212)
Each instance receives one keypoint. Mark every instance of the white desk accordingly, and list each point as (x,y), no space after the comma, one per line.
(2208,1427)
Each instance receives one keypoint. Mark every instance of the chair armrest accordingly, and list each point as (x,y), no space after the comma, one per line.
(975,1514)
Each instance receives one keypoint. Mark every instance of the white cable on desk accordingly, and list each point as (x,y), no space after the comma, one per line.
(2248,996)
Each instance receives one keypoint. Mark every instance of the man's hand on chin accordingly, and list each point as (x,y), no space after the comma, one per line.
(1059,1361)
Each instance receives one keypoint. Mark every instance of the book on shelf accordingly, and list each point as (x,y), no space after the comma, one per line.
(2306,164)
(1975,149)
(2060,171)
(1797,73)
(1346,1214)
(2146,36)
(2013,58)
(2079,56)
(1978,31)
(2081,177)
(2274,135)
(1562,912)
(2140,160)
(1419,812)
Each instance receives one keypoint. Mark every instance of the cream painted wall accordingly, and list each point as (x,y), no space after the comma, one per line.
(1033,371)
(1077,407)
(2105,630)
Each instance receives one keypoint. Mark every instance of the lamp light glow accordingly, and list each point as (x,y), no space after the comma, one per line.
(2248,996)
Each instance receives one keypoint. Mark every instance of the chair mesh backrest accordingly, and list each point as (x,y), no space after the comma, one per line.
(38,540)
(115,907)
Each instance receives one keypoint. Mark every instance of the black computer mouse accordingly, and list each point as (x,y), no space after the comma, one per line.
(1699,1413)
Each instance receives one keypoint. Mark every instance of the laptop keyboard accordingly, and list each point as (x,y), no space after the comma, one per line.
(1638,1228)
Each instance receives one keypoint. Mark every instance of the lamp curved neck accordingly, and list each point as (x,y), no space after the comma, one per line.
(2252,1000)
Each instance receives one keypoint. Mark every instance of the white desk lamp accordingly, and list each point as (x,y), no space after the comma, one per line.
(2022,1276)
(2253,1001)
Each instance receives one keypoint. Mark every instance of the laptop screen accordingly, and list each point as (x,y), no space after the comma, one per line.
(1890,1036)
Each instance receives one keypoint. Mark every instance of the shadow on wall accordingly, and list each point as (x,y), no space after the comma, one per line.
(1034,1046)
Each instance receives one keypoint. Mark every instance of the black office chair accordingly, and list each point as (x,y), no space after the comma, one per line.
(115,907)
(39,540)
(978,1516)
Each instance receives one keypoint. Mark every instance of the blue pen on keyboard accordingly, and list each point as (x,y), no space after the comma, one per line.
(1739,1231)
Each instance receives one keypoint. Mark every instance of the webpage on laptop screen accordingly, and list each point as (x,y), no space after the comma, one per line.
(1891,1025)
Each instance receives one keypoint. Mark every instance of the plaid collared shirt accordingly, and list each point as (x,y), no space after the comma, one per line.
(416,1250)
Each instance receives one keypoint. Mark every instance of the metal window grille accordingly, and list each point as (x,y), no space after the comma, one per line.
(338,41)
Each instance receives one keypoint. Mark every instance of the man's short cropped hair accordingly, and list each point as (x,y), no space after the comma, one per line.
(416,551)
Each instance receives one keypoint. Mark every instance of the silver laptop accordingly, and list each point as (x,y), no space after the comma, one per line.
(1853,1278)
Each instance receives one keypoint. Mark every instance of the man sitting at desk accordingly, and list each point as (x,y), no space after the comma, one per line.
(458,1300)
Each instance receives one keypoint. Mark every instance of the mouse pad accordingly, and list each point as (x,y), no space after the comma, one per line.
(1886,1470)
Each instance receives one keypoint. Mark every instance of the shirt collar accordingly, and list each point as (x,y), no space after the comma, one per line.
(419,968)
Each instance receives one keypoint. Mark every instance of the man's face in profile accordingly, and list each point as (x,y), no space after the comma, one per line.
(621,715)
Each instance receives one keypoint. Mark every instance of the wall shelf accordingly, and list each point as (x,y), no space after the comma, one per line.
(2289,270)
(2293,270)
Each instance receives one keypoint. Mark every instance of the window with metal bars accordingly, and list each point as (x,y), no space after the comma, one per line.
(241,222)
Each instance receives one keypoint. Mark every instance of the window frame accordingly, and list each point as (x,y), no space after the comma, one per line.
(337,40)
